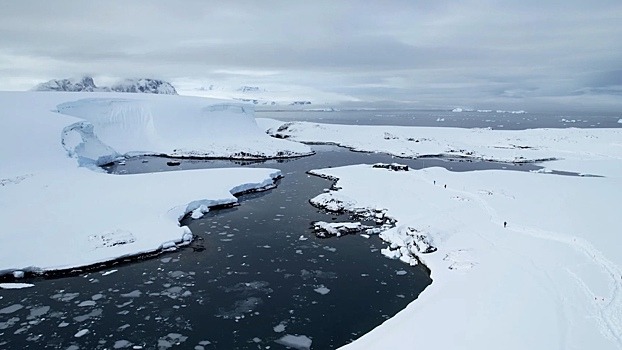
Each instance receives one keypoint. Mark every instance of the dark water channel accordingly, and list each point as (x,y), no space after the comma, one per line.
(254,274)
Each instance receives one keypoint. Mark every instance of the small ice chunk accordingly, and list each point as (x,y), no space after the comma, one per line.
(11,309)
(279,328)
(120,344)
(37,312)
(18,274)
(94,313)
(400,272)
(81,333)
(9,323)
(15,285)
(322,290)
(87,303)
(133,294)
(299,342)
(106,273)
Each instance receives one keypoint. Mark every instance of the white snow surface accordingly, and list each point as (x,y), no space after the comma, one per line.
(550,280)
(500,145)
(56,214)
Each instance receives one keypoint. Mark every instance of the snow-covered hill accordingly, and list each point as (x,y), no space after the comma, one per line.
(86,84)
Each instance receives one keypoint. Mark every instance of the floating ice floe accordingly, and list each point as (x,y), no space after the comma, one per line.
(298,342)
(16,285)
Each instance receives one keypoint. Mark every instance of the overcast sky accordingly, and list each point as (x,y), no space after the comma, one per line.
(521,54)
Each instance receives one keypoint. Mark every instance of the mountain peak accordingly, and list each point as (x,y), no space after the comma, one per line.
(145,85)
(86,83)
(83,84)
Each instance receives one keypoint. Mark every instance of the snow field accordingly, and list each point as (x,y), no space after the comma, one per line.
(480,144)
(550,279)
(58,211)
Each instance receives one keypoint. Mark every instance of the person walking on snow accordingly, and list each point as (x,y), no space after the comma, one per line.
(505,224)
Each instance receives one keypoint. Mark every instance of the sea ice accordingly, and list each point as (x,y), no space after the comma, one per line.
(322,290)
(81,333)
(279,328)
(11,309)
(15,285)
(299,342)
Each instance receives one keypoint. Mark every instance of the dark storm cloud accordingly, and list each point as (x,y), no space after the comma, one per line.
(449,52)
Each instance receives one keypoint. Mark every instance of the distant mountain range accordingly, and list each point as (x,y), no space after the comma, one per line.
(148,86)
(255,95)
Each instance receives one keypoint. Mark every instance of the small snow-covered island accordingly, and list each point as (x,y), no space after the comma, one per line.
(518,259)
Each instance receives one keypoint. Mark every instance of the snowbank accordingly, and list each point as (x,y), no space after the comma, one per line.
(56,214)
(550,279)
(485,144)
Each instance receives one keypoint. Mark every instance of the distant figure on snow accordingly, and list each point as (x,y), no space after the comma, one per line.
(505,224)
(445,186)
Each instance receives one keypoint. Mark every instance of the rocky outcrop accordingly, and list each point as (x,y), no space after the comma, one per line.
(72,85)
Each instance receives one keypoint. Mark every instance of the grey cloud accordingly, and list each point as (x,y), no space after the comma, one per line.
(484,50)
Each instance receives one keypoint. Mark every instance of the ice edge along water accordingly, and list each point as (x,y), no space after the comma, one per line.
(550,279)
(60,211)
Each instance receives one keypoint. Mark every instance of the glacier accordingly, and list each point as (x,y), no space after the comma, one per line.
(60,211)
